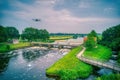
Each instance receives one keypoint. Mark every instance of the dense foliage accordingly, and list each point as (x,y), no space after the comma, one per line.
(75,36)
(67,34)
(8,33)
(111,37)
(91,40)
(93,33)
(33,34)
(12,33)
(4,47)
(3,34)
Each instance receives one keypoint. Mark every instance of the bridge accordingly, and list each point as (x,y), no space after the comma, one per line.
(56,45)
(70,43)
(114,67)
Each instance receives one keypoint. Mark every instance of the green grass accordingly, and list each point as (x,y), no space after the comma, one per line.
(4,47)
(19,45)
(60,37)
(69,67)
(101,53)
(109,77)
(100,37)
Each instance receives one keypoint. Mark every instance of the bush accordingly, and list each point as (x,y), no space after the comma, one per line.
(4,47)
(111,38)
(89,44)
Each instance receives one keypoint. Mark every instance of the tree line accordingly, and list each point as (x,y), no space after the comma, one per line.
(33,34)
(111,38)
(7,33)
(28,34)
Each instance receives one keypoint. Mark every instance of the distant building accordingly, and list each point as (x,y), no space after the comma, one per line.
(85,39)
(15,41)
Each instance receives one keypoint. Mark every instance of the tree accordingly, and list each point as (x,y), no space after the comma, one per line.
(29,34)
(3,34)
(44,34)
(93,33)
(75,36)
(111,37)
(91,40)
(32,34)
(12,32)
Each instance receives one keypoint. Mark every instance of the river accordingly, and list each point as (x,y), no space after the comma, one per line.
(31,63)
(28,64)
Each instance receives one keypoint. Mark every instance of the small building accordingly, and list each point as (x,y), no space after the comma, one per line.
(15,41)
(85,38)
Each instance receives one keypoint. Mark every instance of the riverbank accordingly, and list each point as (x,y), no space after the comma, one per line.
(69,67)
(60,37)
(28,64)
(5,47)
(102,53)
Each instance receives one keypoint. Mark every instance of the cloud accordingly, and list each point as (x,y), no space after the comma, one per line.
(57,20)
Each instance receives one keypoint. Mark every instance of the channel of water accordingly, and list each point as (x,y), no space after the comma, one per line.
(28,63)
(31,63)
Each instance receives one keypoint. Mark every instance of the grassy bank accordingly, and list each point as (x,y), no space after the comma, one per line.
(60,37)
(109,77)
(101,53)
(19,45)
(69,67)
(4,47)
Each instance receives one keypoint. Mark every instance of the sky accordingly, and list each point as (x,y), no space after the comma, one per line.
(61,16)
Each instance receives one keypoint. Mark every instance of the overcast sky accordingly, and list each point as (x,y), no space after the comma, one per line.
(70,16)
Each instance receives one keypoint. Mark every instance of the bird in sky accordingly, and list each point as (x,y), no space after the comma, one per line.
(36,20)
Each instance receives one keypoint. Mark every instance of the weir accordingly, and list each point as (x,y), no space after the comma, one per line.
(56,45)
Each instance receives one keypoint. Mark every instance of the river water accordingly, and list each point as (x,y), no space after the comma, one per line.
(28,64)
(31,63)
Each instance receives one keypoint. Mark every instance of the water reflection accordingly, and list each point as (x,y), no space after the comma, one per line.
(3,62)
(104,71)
(30,55)
(28,64)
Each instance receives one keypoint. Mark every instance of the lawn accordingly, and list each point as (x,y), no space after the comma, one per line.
(19,45)
(101,53)
(60,37)
(69,67)
(4,47)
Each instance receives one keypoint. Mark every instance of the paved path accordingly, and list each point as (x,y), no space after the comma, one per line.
(97,63)
(81,52)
